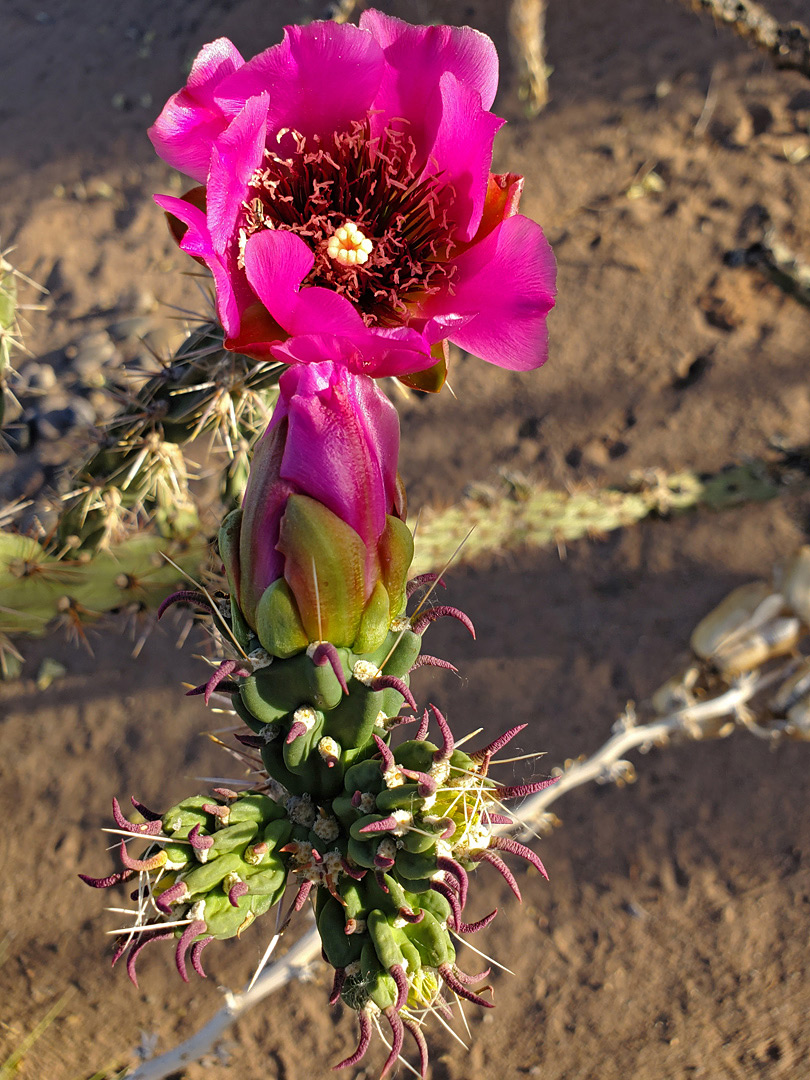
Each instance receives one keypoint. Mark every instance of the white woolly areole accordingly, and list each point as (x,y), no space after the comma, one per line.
(365,672)
(474,839)
(440,770)
(306,716)
(393,777)
(259,659)
(404,819)
(169,865)
(380,720)
(401,623)
(353,968)
(368,803)
(300,810)
(329,748)
(197,911)
(387,848)
(326,828)
(230,880)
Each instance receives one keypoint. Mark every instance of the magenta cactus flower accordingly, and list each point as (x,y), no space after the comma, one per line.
(319,550)
(347,191)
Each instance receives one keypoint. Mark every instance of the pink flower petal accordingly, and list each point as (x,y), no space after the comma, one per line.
(276,263)
(462,150)
(232,291)
(191,119)
(417,56)
(507,281)
(238,153)
(369,352)
(321,78)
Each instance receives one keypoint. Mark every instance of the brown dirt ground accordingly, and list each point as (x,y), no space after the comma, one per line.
(671,941)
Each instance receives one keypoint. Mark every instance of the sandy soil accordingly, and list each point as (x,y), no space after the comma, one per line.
(671,939)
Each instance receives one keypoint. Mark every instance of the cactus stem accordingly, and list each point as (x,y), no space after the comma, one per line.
(325,653)
(136,951)
(432,614)
(191,931)
(434,661)
(420,580)
(337,985)
(419,1039)
(196,955)
(474,927)
(504,843)
(503,870)
(459,988)
(362,1046)
(397,1039)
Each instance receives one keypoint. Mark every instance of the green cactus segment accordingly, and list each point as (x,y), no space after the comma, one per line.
(138,470)
(37,587)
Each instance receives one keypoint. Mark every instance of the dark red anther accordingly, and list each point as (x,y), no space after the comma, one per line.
(173,895)
(446,971)
(379,877)
(304,890)
(432,614)
(337,985)
(421,1043)
(107,882)
(433,661)
(119,951)
(217,811)
(226,668)
(138,947)
(357,798)
(425,784)
(496,819)
(451,898)
(474,927)
(470,980)
(503,870)
(450,866)
(226,793)
(449,828)
(397,973)
(199,843)
(185,596)
(383,862)
(519,791)
(186,938)
(353,871)
(236,892)
(390,682)
(397,1038)
(448,742)
(296,731)
(411,916)
(505,843)
(497,744)
(144,811)
(152,863)
(326,653)
(255,742)
(150,828)
(423,579)
(365,1039)
(196,955)
(387,757)
(422,730)
(386,824)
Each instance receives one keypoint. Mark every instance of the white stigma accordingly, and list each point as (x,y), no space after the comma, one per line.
(349,246)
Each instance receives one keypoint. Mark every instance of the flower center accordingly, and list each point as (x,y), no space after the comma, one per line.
(337,193)
(347,245)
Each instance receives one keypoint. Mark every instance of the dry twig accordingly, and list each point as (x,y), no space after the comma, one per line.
(788,43)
